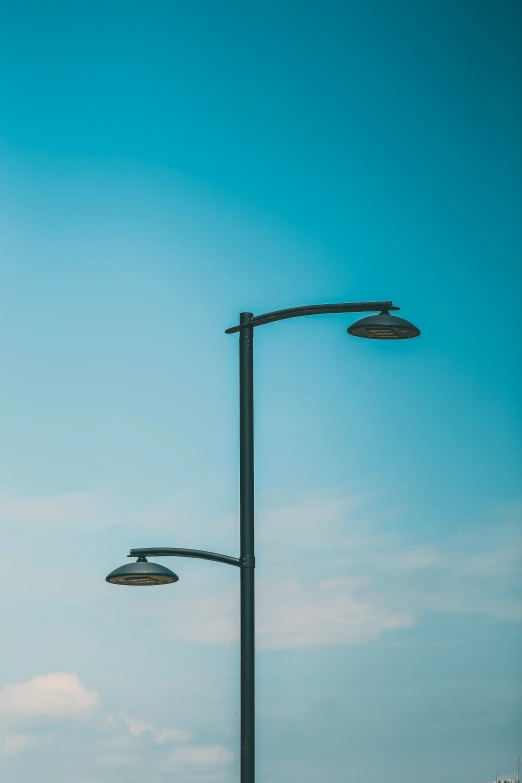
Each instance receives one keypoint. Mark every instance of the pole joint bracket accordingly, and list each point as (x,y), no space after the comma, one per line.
(247,561)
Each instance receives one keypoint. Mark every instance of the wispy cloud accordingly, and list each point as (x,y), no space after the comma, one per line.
(94,509)
(130,741)
(74,509)
(349,576)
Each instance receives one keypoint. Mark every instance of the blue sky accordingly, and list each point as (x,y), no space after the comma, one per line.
(164,166)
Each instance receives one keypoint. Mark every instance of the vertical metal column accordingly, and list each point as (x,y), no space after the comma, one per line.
(246,523)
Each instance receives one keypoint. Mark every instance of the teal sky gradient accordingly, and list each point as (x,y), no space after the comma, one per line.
(164,166)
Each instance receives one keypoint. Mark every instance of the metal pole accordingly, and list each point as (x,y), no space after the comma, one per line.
(246,523)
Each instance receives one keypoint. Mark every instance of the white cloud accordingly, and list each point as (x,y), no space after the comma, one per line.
(50,696)
(55,695)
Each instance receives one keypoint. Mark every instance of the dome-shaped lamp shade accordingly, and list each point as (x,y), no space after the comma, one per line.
(383,327)
(142,573)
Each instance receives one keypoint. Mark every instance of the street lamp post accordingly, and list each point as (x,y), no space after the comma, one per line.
(378,327)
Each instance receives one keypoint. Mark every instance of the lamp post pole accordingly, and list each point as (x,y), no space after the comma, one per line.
(379,327)
(247,561)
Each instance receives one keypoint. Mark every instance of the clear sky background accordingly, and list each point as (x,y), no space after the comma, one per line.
(163,167)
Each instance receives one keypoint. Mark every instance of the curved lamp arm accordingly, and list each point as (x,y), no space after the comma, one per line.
(166,551)
(296,312)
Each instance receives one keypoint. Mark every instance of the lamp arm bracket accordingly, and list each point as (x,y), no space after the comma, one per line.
(177,552)
(321,309)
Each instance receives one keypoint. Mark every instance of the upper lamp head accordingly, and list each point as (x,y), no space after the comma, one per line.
(383,327)
(142,573)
